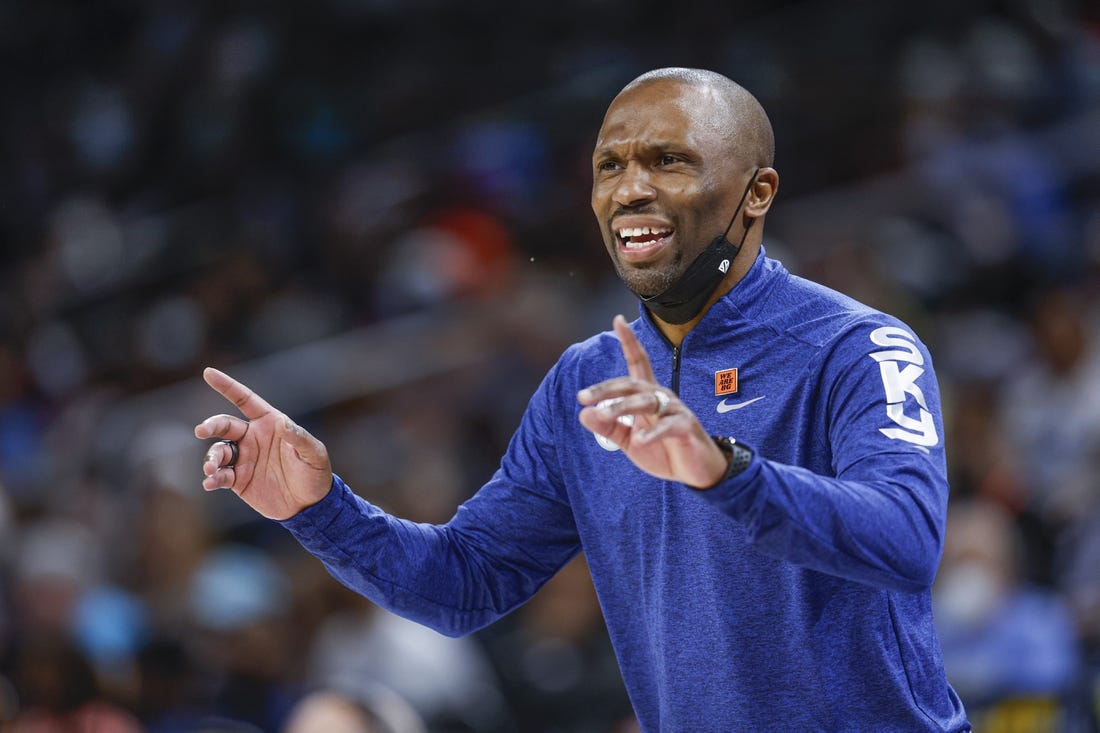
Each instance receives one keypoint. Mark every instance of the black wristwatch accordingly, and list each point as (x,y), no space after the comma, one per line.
(740,456)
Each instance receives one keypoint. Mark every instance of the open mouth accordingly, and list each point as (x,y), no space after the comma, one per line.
(640,238)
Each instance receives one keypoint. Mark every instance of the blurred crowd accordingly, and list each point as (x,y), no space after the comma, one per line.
(376,214)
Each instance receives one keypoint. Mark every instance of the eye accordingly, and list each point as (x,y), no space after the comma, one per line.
(607,165)
(670,159)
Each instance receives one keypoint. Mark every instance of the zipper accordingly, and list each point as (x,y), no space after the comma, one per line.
(676,351)
(676,370)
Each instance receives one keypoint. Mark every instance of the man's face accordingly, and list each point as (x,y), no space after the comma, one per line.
(665,181)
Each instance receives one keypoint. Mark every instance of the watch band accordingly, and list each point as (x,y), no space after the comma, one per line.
(740,456)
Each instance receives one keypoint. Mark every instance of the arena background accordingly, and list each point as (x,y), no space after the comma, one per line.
(376,213)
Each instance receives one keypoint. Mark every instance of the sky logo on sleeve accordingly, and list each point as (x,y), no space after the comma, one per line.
(900,364)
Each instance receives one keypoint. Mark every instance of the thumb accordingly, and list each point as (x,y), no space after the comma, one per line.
(304,444)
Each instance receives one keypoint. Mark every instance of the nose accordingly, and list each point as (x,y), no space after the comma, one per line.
(634,186)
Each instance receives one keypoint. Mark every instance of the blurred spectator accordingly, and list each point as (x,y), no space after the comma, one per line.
(57,562)
(1009,647)
(23,420)
(983,465)
(57,691)
(367,710)
(239,600)
(169,688)
(461,253)
(448,682)
(1050,412)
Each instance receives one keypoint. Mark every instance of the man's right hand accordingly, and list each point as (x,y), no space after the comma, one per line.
(280,469)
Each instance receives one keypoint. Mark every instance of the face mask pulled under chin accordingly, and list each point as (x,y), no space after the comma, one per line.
(685,298)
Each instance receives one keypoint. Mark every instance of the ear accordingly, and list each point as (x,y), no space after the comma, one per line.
(762,194)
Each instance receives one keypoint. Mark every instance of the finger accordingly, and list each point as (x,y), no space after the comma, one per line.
(218,455)
(630,396)
(658,430)
(609,389)
(248,402)
(639,404)
(603,422)
(637,360)
(222,478)
(226,427)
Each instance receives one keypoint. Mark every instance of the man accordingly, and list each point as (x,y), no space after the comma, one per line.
(776,581)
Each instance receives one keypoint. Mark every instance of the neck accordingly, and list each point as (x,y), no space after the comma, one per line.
(676,332)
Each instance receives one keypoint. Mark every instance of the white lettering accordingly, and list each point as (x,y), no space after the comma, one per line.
(897,337)
(900,383)
(920,432)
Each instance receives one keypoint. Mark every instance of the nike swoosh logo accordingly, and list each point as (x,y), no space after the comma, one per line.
(724,407)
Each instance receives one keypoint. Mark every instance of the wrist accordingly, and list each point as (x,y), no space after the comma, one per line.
(738,457)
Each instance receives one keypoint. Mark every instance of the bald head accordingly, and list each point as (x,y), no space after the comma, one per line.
(736,114)
(683,156)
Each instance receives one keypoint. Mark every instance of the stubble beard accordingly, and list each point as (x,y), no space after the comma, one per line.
(650,280)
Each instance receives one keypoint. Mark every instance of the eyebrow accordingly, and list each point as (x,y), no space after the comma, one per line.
(660,146)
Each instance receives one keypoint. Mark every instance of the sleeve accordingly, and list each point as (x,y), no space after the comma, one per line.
(879,518)
(501,546)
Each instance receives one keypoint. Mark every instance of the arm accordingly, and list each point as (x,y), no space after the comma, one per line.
(498,550)
(500,547)
(879,519)
(879,523)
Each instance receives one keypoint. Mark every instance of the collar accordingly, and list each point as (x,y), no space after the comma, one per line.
(744,301)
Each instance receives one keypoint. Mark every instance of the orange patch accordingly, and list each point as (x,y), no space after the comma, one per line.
(725,381)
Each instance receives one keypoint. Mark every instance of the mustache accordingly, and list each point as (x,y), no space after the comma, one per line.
(634,211)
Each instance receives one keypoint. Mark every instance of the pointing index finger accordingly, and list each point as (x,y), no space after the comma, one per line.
(251,405)
(637,360)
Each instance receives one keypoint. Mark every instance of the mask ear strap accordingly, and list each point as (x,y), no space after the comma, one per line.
(737,210)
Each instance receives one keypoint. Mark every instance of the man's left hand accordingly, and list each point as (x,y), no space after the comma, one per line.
(663,437)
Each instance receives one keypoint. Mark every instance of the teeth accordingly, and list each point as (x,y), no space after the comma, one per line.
(627,232)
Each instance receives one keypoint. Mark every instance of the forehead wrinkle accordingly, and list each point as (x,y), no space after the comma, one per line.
(611,148)
(673,127)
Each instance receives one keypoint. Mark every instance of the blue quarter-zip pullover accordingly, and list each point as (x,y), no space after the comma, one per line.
(792,597)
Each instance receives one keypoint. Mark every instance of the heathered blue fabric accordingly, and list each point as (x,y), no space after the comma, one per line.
(794,597)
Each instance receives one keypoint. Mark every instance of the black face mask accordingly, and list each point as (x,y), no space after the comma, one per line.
(685,298)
